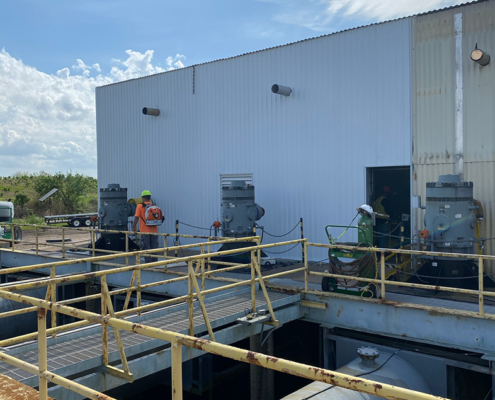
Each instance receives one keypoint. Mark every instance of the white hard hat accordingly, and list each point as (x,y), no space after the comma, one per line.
(365,209)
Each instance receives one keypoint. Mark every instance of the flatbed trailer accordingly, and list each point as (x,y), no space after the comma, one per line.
(75,220)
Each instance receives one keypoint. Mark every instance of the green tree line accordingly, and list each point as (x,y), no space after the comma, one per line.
(76,193)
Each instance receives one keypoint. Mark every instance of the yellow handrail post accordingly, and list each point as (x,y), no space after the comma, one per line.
(126,373)
(382,274)
(176,371)
(138,290)
(176,242)
(53,295)
(209,258)
(104,327)
(42,353)
(253,281)
(480,286)
(192,278)
(165,255)
(37,240)
(306,264)
(127,248)
(261,282)
(190,298)
(203,274)
(129,293)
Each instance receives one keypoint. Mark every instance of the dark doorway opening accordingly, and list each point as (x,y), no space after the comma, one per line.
(398,181)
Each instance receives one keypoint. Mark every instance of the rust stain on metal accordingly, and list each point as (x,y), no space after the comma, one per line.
(196,344)
(251,358)
(377,387)
(340,311)
(390,303)
(10,389)
(291,372)
(272,359)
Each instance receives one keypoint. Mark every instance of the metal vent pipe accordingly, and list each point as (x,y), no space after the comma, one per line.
(151,111)
(480,57)
(283,90)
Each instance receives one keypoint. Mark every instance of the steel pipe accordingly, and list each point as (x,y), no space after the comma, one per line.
(151,111)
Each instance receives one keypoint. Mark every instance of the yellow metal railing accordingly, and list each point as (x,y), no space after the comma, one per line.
(195,291)
(93,232)
(176,341)
(198,270)
(381,282)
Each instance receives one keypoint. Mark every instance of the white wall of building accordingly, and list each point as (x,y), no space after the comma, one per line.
(350,109)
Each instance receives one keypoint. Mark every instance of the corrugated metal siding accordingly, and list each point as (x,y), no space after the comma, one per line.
(349,109)
(434,91)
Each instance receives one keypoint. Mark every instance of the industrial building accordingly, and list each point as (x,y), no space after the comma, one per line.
(375,106)
(320,129)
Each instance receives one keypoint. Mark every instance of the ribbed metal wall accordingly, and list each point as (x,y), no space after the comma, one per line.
(350,109)
(434,103)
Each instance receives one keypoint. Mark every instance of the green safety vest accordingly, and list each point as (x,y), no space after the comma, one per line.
(378,205)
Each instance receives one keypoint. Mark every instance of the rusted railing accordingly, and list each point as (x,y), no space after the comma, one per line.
(92,239)
(381,281)
(198,270)
(176,341)
(196,291)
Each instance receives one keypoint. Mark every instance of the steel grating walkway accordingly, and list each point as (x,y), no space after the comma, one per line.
(81,351)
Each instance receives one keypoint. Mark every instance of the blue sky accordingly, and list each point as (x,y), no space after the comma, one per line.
(54,53)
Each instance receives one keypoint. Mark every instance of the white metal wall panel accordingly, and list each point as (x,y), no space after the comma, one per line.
(350,109)
(434,103)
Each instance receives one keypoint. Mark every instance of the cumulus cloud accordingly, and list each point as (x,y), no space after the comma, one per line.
(175,62)
(325,15)
(47,121)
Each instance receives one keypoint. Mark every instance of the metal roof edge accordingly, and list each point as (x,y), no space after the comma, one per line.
(303,40)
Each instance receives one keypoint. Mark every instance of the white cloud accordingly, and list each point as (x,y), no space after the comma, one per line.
(176,61)
(47,122)
(325,15)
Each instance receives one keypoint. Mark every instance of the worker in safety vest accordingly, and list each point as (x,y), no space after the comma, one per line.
(147,241)
(381,206)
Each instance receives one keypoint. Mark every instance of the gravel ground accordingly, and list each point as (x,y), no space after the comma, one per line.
(73,238)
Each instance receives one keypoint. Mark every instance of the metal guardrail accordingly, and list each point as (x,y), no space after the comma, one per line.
(93,238)
(197,270)
(381,282)
(135,283)
(176,341)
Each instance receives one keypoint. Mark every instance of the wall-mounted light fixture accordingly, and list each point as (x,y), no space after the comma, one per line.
(283,90)
(480,57)
(151,111)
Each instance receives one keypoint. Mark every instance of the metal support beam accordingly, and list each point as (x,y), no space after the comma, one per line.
(176,371)
(433,325)
(42,357)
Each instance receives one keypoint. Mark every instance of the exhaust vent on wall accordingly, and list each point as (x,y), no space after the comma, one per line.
(151,111)
(283,90)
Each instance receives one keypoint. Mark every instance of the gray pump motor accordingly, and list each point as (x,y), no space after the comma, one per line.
(114,208)
(450,215)
(239,211)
